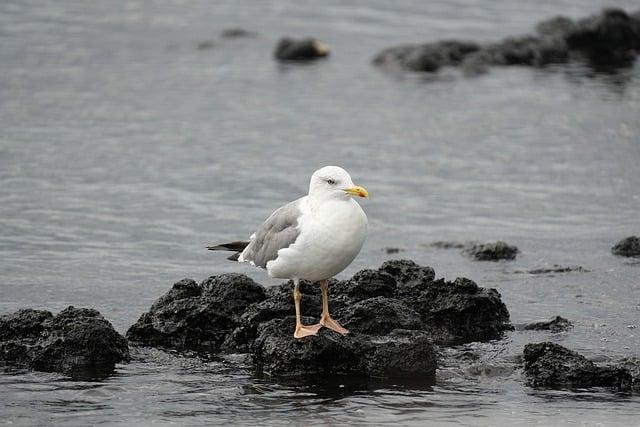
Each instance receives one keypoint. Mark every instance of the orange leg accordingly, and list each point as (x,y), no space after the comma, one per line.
(325,319)
(302,330)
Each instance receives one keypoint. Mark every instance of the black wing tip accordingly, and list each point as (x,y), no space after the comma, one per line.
(231,246)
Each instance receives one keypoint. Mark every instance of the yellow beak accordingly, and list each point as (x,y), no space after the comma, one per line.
(357,191)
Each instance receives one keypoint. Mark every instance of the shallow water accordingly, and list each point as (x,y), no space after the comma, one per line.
(124,150)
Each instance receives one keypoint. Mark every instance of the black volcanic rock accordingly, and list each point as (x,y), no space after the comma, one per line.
(452,312)
(460,311)
(78,341)
(394,314)
(629,247)
(605,42)
(551,365)
(492,251)
(410,277)
(289,49)
(554,269)
(197,317)
(632,364)
(365,284)
(407,354)
(233,33)
(442,244)
(428,56)
(556,324)
(610,39)
(378,316)
(278,305)
(531,51)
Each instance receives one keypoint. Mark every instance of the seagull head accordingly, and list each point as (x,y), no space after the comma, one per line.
(334,182)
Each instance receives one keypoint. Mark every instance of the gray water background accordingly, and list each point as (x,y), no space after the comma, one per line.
(125,149)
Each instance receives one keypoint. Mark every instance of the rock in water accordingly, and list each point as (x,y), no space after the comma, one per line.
(237,33)
(400,354)
(197,317)
(426,57)
(556,324)
(289,49)
(605,42)
(394,313)
(609,40)
(554,269)
(492,251)
(379,316)
(407,274)
(629,247)
(551,365)
(78,341)
(365,284)
(632,364)
(460,311)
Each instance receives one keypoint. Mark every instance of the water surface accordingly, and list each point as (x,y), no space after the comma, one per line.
(124,150)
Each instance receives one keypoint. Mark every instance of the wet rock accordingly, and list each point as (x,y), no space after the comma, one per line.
(527,50)
(231,314)
(558,26)
(605,42)
(206,45)
(490,370)
(632,364)
(629,247)
(237,33)
(399,354)
(426,57)
(460,311)
(379,316)
(78,341)
(556,324)
(610,39)
(409,276)
(451,312)
(365,284)
(197,317)
(391,250)
(551,365)
(554,269)
(289,49)
(278,305)
(449,245)
(399,295)
(492,251)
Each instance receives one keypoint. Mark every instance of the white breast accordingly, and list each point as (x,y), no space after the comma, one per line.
(331,236)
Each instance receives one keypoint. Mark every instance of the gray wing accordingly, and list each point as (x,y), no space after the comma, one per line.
(279,231)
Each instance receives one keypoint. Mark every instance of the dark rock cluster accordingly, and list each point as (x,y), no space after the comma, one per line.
(398,354)
(495,251)
(77,341)
(289,49)
(197,316)
(428,56)
(395,314)
(605,42)
(234,33)
(551,365)
(554,269)
(629,247)
(490,251)
(556,324)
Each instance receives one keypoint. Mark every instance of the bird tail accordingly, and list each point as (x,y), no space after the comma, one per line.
(236,247)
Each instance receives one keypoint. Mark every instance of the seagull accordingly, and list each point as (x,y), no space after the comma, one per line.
(312,238)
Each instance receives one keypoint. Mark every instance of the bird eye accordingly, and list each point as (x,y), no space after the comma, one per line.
(331,181)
